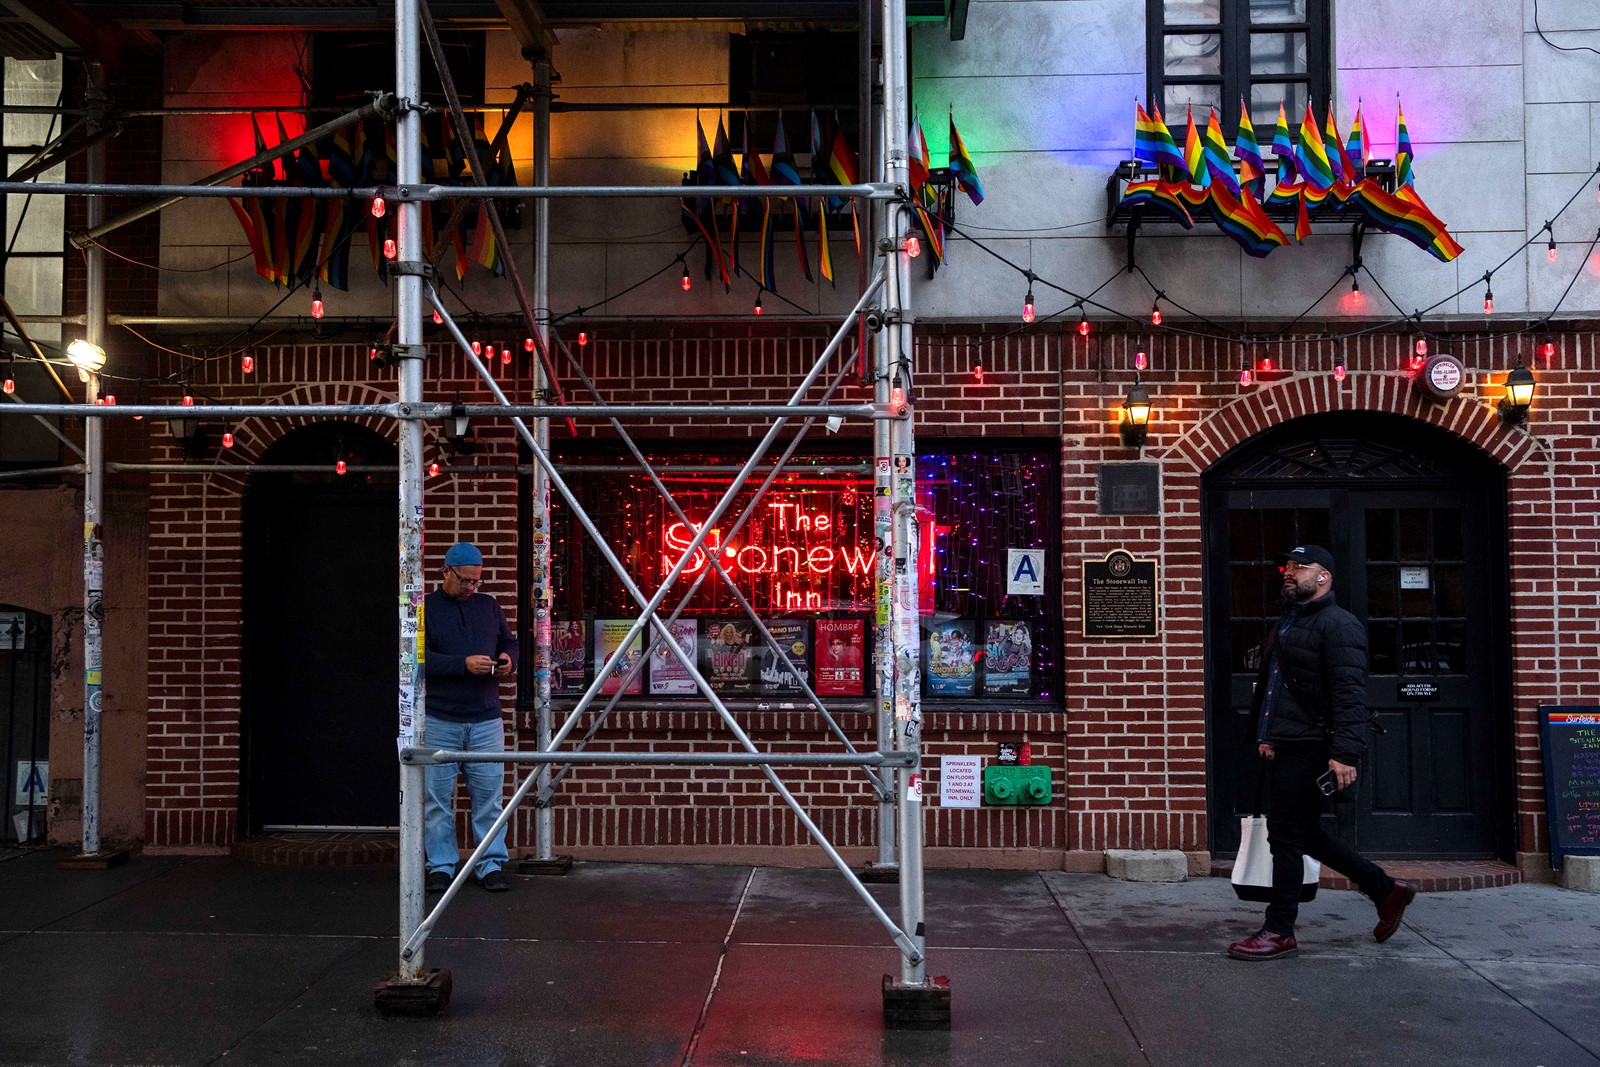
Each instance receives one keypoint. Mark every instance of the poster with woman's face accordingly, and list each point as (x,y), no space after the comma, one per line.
(728,656)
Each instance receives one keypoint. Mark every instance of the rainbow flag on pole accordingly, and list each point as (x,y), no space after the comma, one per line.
(1194,154)
(1218,161)
(1152,141)
(1402,148)
(1310,156)
(1252,169)
(961,166)
(1283,148)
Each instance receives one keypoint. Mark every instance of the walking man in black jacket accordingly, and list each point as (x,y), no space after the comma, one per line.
(1310,717)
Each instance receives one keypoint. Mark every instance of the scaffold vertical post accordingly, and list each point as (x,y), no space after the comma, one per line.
(544,860)
(412,989)
(915,1001)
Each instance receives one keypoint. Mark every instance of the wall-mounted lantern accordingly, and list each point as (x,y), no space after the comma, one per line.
(1135,416)
(1514,405)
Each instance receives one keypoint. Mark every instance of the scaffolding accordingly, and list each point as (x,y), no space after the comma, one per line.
(892,769)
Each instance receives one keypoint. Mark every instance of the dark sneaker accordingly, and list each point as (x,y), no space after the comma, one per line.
(495,882)
(1264,946)
(1391,909)
(438,881)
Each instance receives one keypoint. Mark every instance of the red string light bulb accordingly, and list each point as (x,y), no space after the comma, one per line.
(247,364)
(913,246)
(1027,306)
(340,467)
(379,208)
(390,249)
(227,438)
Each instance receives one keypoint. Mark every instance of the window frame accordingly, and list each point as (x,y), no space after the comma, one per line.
(1235,80)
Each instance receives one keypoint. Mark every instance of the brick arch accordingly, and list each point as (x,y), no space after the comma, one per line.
(1234,423)
(257,433)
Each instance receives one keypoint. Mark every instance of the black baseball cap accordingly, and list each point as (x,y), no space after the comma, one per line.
(1308,554)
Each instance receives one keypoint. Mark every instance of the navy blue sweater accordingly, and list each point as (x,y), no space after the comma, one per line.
(457,630)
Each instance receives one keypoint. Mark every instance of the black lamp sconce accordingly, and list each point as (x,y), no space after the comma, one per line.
(1135,416)
(1520,384)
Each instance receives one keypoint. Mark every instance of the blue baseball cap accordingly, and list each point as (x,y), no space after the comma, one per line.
(463,554)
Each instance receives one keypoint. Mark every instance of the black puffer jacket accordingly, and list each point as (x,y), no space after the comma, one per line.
(1324,696)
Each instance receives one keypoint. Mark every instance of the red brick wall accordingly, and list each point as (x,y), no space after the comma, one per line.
(1129,743)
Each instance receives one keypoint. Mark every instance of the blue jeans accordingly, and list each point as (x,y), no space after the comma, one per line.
(485,784)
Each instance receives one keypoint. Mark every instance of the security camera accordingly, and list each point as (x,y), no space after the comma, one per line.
(874,320)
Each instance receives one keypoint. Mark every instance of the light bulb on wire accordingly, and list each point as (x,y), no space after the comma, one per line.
(247,364)
(379,208)
(1027,306)
(1155,312)
(188,401)
(1339,371)
(227,438)
(913,246)
(505,355)
(437,318)
(583,338)
(527,344)
(433,469)
(1547,348)
(758,309)
(340,467)
(390,249)
(1083,324)
(1550,253)
(1422,346)
(686,284)
(1141,359)
(10,385)
(1488,297)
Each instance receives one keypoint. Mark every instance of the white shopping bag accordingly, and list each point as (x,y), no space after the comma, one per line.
(1252,868)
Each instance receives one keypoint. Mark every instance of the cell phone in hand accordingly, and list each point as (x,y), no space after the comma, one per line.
(1327,783)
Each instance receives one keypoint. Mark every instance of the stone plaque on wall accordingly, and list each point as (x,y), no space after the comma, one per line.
(1119,596)
(1130,489)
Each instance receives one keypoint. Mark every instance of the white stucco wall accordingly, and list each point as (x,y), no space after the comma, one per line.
(1505,128)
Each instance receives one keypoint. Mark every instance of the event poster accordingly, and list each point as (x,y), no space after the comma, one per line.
(728,655)
(608,634)
(1008,657)
(668,676)
(569,644)
(950,669)
(840,657)
(794,637)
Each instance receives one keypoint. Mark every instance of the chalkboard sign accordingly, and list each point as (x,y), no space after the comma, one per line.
(1571,740)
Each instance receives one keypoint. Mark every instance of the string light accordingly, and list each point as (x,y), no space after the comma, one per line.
(379,208)
(488,353)
(372,354)
(1488,294)
(227,438)
(390,249)
(340,467)
(188,401)
(1422,346)
(10,385)
(1247,377)
(433,469)
(1550,253)
(505,354)
(1355,282)
(247,364)
(897,400)
(1339,371)
(583,338)
(1027,306)
(110,400)
(758,309)
(1155,312)
(1548,348)
(977,372)
(1141,359)
(527,344)
(686,284)
(913,246)
(438,319)
(1083,324)
(477,348)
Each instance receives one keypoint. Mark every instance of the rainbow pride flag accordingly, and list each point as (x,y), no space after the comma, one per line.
(1402,148)
(1310,156)
(1194,155)
(1153,141)
(1152,194)
(1252,169)
(1283,148)
(1218,161)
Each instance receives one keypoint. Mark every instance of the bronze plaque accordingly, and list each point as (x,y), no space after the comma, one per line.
(1119,596)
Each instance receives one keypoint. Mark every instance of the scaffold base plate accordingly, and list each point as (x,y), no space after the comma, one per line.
(878,873)
(91,861)
(552,867)
(916,1007)
(428,997)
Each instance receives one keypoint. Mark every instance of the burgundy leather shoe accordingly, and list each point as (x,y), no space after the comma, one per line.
(1265,945)
(1391,908)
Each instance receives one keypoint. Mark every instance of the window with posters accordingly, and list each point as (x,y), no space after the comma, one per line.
(805,556)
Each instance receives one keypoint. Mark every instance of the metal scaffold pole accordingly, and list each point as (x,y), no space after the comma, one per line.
(412,989)
(915,1001)
(544,860)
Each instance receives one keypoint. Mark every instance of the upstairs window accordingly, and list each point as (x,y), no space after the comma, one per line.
(1212,53)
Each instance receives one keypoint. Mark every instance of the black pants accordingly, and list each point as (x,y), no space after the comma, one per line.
(1294,827)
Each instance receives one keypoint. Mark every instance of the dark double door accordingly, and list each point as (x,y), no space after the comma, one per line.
(1420,562)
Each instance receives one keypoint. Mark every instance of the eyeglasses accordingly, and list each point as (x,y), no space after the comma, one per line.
(470,583)
(1298,567)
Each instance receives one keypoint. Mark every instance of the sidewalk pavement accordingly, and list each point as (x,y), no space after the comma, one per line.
(210,960)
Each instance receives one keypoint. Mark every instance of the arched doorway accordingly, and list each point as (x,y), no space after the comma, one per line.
(1415,520)
(320,627)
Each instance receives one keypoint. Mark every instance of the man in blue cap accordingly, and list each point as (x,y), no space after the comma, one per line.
(470,649)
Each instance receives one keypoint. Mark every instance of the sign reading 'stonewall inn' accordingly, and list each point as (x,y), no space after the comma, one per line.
(1119,596)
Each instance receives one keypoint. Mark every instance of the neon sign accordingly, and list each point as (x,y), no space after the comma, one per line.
(795,550)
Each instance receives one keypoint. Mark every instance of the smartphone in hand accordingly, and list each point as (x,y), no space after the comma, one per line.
(1327,783)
